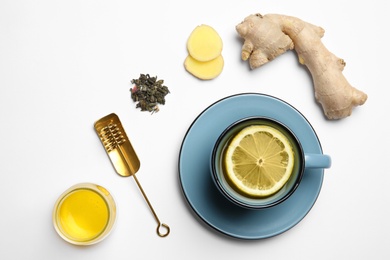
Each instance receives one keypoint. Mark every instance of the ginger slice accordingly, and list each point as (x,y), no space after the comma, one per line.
(204,70)
(204,43)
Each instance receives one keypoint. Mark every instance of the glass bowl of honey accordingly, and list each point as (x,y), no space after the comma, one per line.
(84,214)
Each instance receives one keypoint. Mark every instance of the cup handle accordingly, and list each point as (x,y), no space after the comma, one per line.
(317,161)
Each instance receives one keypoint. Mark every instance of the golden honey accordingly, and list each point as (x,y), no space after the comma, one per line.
(84,214)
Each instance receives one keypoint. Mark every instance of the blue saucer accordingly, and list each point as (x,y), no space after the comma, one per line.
(198,187)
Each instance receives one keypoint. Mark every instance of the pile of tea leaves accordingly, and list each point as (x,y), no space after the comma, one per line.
(148,92)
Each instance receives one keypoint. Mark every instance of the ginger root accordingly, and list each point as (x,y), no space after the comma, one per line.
(268,36)
(204,59)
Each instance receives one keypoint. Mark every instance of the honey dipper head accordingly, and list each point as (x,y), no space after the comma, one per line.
(117,145)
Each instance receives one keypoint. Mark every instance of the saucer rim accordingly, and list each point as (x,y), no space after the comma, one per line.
(215,225)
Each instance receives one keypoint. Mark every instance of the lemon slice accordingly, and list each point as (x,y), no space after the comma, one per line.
(259,160)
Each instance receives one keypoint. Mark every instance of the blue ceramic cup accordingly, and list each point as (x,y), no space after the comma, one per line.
(302,162)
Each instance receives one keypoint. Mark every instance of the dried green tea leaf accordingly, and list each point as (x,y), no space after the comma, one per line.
(148,92)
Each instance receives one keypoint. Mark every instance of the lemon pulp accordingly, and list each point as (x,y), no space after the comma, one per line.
(258,161)
(83,214)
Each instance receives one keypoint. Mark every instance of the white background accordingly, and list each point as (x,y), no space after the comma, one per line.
(65,64)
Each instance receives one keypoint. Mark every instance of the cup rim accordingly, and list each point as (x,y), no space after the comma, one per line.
(111,206)
(243,204)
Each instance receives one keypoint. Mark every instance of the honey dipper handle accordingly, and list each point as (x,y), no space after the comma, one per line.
(160,225)
(163,230)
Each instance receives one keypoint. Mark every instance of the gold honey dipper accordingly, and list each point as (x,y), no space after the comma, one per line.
(123,156)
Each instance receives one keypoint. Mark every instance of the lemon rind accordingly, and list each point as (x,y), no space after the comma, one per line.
(235,142)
